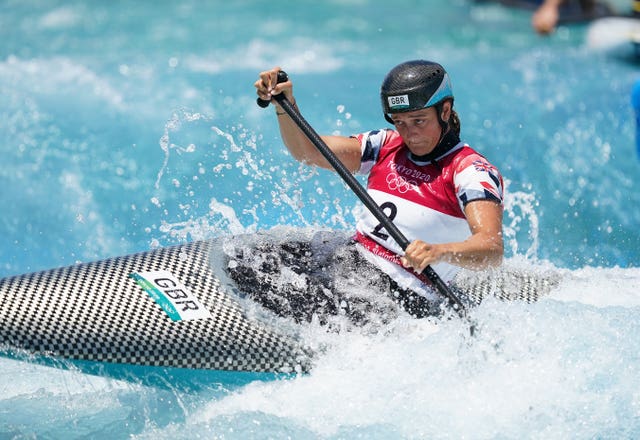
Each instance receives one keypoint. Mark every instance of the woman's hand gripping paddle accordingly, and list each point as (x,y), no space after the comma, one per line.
(362,194)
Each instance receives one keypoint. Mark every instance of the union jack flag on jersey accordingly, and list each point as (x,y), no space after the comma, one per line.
(483,165)
(477,179)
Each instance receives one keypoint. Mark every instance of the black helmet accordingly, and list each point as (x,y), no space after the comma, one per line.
(414,85)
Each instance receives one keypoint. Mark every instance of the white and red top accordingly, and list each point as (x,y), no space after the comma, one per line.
(425,200)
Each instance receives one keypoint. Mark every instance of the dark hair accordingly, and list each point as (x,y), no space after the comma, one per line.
(454,122)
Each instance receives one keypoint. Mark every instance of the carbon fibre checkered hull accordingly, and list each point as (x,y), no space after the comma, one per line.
(97,312)
(507,284)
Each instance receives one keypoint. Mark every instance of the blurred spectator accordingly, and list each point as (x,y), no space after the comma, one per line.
(549,13)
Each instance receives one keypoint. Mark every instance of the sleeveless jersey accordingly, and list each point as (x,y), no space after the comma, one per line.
(425,200)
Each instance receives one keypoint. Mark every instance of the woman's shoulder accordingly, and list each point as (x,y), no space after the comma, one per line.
(465,157)
(380,136)
(465,153)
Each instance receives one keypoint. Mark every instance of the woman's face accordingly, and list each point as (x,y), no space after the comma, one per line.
(420,129)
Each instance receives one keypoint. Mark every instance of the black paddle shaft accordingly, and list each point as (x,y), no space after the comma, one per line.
(358,189)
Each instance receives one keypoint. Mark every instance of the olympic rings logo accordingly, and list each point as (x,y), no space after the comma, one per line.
(398,183)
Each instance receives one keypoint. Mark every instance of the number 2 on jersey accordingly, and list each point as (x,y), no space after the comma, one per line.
(393,211)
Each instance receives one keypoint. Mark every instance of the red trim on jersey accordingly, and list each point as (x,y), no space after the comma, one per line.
(381,251)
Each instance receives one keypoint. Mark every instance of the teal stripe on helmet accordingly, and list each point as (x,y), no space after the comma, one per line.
(442,92)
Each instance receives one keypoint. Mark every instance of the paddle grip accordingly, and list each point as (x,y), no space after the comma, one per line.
(282,77)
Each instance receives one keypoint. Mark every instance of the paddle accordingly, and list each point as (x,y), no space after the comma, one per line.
(360,192)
